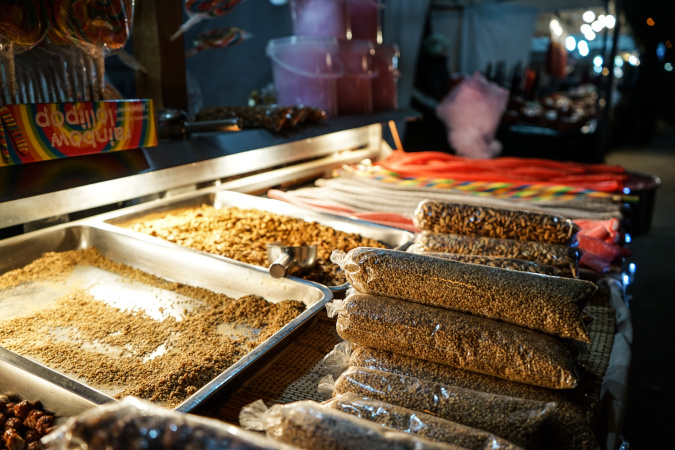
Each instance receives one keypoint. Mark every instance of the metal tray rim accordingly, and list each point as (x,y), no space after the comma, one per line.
(103,221)
(206,391)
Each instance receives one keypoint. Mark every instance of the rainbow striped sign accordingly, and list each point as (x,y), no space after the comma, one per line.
(44,131)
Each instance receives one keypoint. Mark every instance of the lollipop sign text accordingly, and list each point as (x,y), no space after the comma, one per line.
(36,132)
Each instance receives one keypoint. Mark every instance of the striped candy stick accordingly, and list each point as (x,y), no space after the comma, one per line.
(3,145)
(14,131)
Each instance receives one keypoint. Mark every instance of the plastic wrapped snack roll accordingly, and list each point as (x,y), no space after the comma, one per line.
(417,423)
(563,257)
(570,427)
(499,262)
(475,220)
(518,420)
(137,424)
(309,425)
(549,304)
(456,339)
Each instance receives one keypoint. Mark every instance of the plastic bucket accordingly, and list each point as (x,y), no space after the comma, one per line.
(305,70)
(385,90)
(364,19)
(320,18)
(355,88)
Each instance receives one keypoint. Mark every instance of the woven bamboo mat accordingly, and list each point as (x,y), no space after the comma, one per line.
(292,376)
(295,374)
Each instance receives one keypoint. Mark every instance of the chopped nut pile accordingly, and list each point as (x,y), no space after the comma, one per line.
(24,423)
(243,234)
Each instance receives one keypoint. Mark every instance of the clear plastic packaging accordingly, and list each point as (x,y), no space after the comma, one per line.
(518,420)
(549,304)
(103,24)
(563,257)
(570,426)
(136,424)
(487,221)
(417,423)
(497,261)
(337,360)
(307,424)
(456,339)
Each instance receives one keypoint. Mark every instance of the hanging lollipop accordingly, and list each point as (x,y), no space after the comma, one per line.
(23,23)
(97,26)
(218,38)
(198,10)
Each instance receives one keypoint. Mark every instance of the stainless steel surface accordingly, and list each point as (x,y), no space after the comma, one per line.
(79,198)
(392,237)
(220,198)
(284,258)
(58,394)
(38,191)
(171,263)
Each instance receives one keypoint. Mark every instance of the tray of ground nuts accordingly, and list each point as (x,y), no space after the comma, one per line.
(117,316)
(238,227)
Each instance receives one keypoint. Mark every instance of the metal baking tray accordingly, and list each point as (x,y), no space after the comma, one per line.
(392,237)
(22,378)
(168,262)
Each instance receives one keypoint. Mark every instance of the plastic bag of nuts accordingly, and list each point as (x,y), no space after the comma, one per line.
(549,304)
(569,428)
(417,423)
(133,423)
(475,220)
(518,420)
(456,339)
(496,261)
(307,424)
(563,257)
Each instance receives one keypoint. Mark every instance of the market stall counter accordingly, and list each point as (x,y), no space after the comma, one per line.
(85,260)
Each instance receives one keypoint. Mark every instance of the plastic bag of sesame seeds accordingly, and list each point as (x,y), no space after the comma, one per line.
(417,423)
(517,420)
(307,424)
(565,258)
(570,427)
(499,262)
(460,340)
(552,305)
(487,221)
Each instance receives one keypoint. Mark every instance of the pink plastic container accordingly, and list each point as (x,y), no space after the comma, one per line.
(355,88)
(385,92)
(320,18)
(306,70)
(364,20)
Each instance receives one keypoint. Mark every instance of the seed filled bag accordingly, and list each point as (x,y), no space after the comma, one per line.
(520,421)
(563,257)
(570,427)
(417,423)
(496,261)
(479,220)
(457,339)
(549,304)
(310,425)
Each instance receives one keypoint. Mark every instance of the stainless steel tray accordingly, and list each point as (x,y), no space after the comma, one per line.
(392,237)
(168,262)
(60,395)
